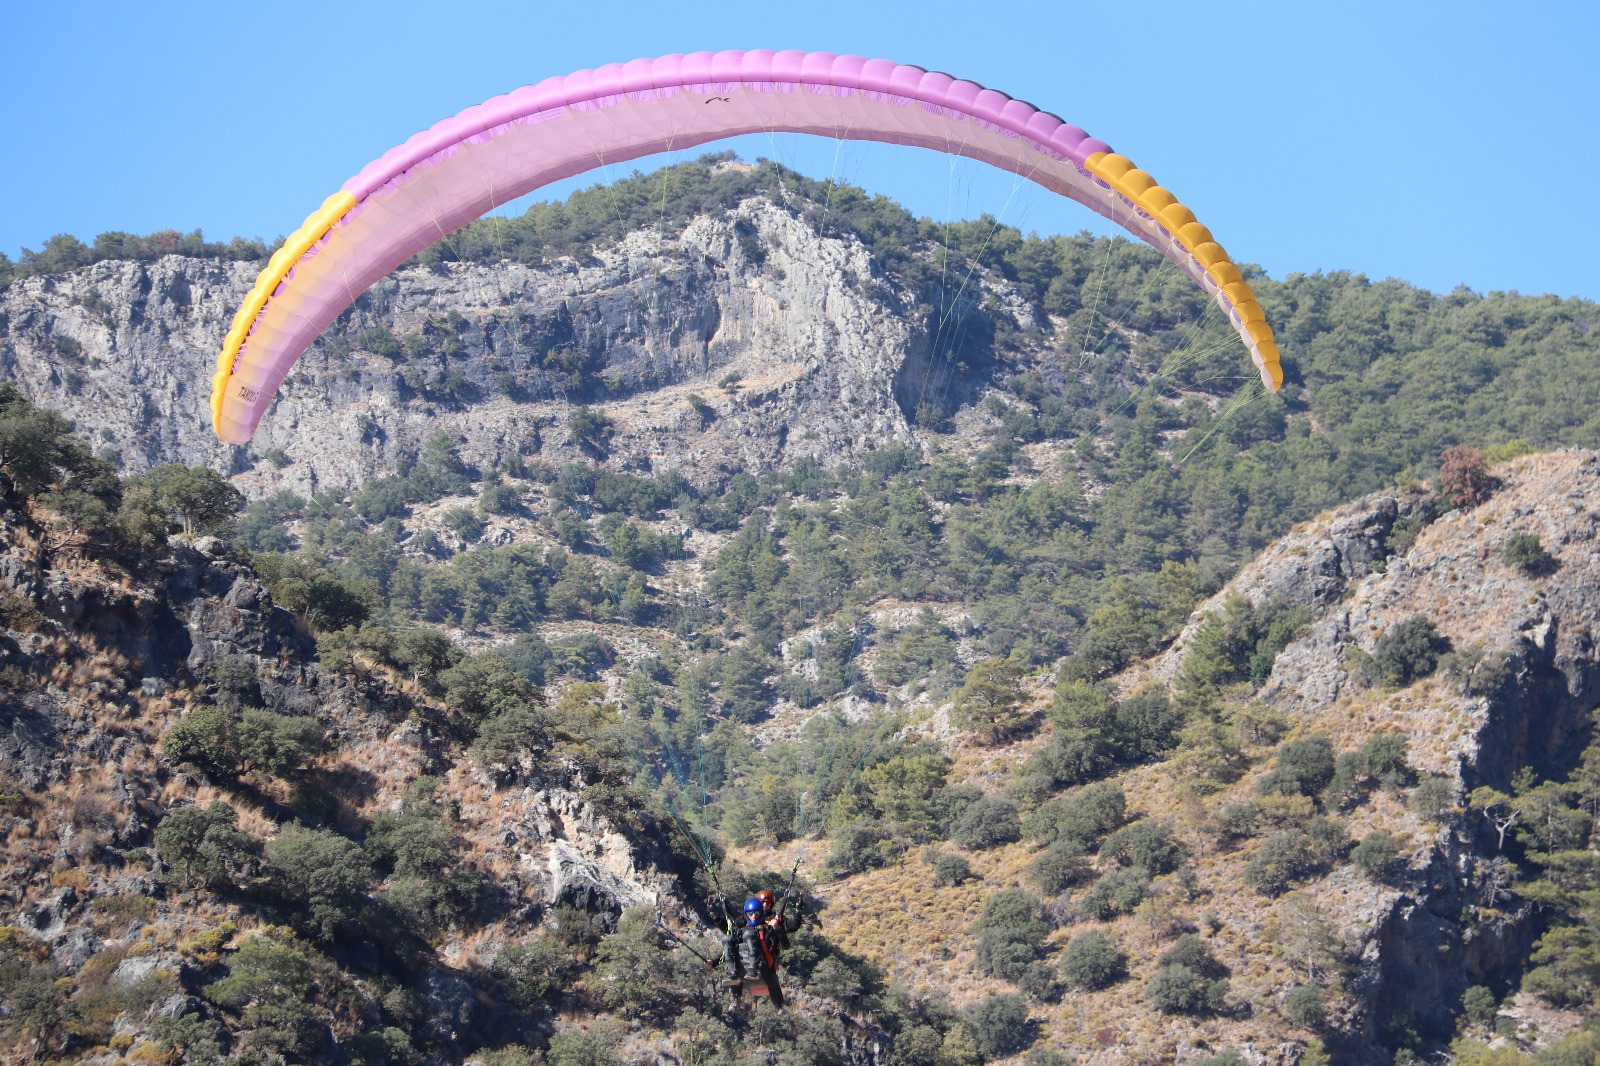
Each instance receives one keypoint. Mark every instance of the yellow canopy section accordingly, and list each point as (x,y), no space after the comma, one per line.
(312,230)
(1141,190)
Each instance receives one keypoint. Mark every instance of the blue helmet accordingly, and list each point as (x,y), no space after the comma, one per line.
(753,908)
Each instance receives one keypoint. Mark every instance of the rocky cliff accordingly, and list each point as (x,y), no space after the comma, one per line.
(817,352)
(102,656)
(1522,692)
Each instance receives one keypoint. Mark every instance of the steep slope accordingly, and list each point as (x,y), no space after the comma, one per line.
(492,354)
(1519,689)
(104,656)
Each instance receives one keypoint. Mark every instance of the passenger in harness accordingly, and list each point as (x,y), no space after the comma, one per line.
(754,951)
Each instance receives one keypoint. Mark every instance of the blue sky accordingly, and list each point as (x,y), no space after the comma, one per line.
(1441,143)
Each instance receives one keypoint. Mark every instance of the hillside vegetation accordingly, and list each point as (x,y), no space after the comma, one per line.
(1047,806)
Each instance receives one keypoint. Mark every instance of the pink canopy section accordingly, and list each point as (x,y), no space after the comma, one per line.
(465,166)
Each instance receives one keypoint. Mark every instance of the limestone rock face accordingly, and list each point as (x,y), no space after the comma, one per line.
(30,739)
(824,356)
(1316,563)
(1541,625)
(1520,687)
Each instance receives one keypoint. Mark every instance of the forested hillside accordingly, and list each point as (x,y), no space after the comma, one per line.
(570,491)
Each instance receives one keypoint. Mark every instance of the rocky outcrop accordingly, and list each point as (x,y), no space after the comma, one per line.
(1539,626)
(1521,684)
(1317,563)
(102,658)
(826,357)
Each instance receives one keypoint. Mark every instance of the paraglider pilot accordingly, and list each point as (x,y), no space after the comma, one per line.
(753,949)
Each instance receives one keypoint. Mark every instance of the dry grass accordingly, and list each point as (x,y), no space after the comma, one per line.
(919,932)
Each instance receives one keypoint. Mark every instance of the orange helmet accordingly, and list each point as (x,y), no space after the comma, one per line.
(767,899)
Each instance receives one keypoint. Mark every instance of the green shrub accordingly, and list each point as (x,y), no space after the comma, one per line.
(273,982)
(1082,818)
(832,978)
(1307,1007)
(38,454)
(1010,933)
(923,648)
(1330,840)
(534,971)
(499,498)
(1526,552)
(951,869)
(416,848)
(1179,990)
(909,790)
(1041,983)
(1117,892)
(1282,859)
(1043,1056)
(1091,961)
(424,652)
(1188,980)
(199,1039)
(505,741)
(1407,651)
(205,845)
(590,430)
(1377,856)
(236,679)
(481,686)
(988,823)
(1380,762)
(1434,798)
(1146,727)
(1476,672)
(278,744)
(323,873)
(1479,1006)
(1071,756)
(299,584)
(999,1025)
(1303,768)
(1145,844)
(743,689)
(204,738)
(1238,820)
(856,847)
(633,973)
(197,500)
(463,523)
(1081,704)
(989,703)
(1058,867)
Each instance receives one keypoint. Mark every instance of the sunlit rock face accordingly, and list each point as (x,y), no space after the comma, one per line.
(745,342)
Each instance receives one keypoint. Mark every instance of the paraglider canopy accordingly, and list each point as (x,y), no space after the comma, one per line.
(465,166)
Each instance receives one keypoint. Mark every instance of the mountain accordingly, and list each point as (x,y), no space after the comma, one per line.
(108,656)
(763,521)
(495,353)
